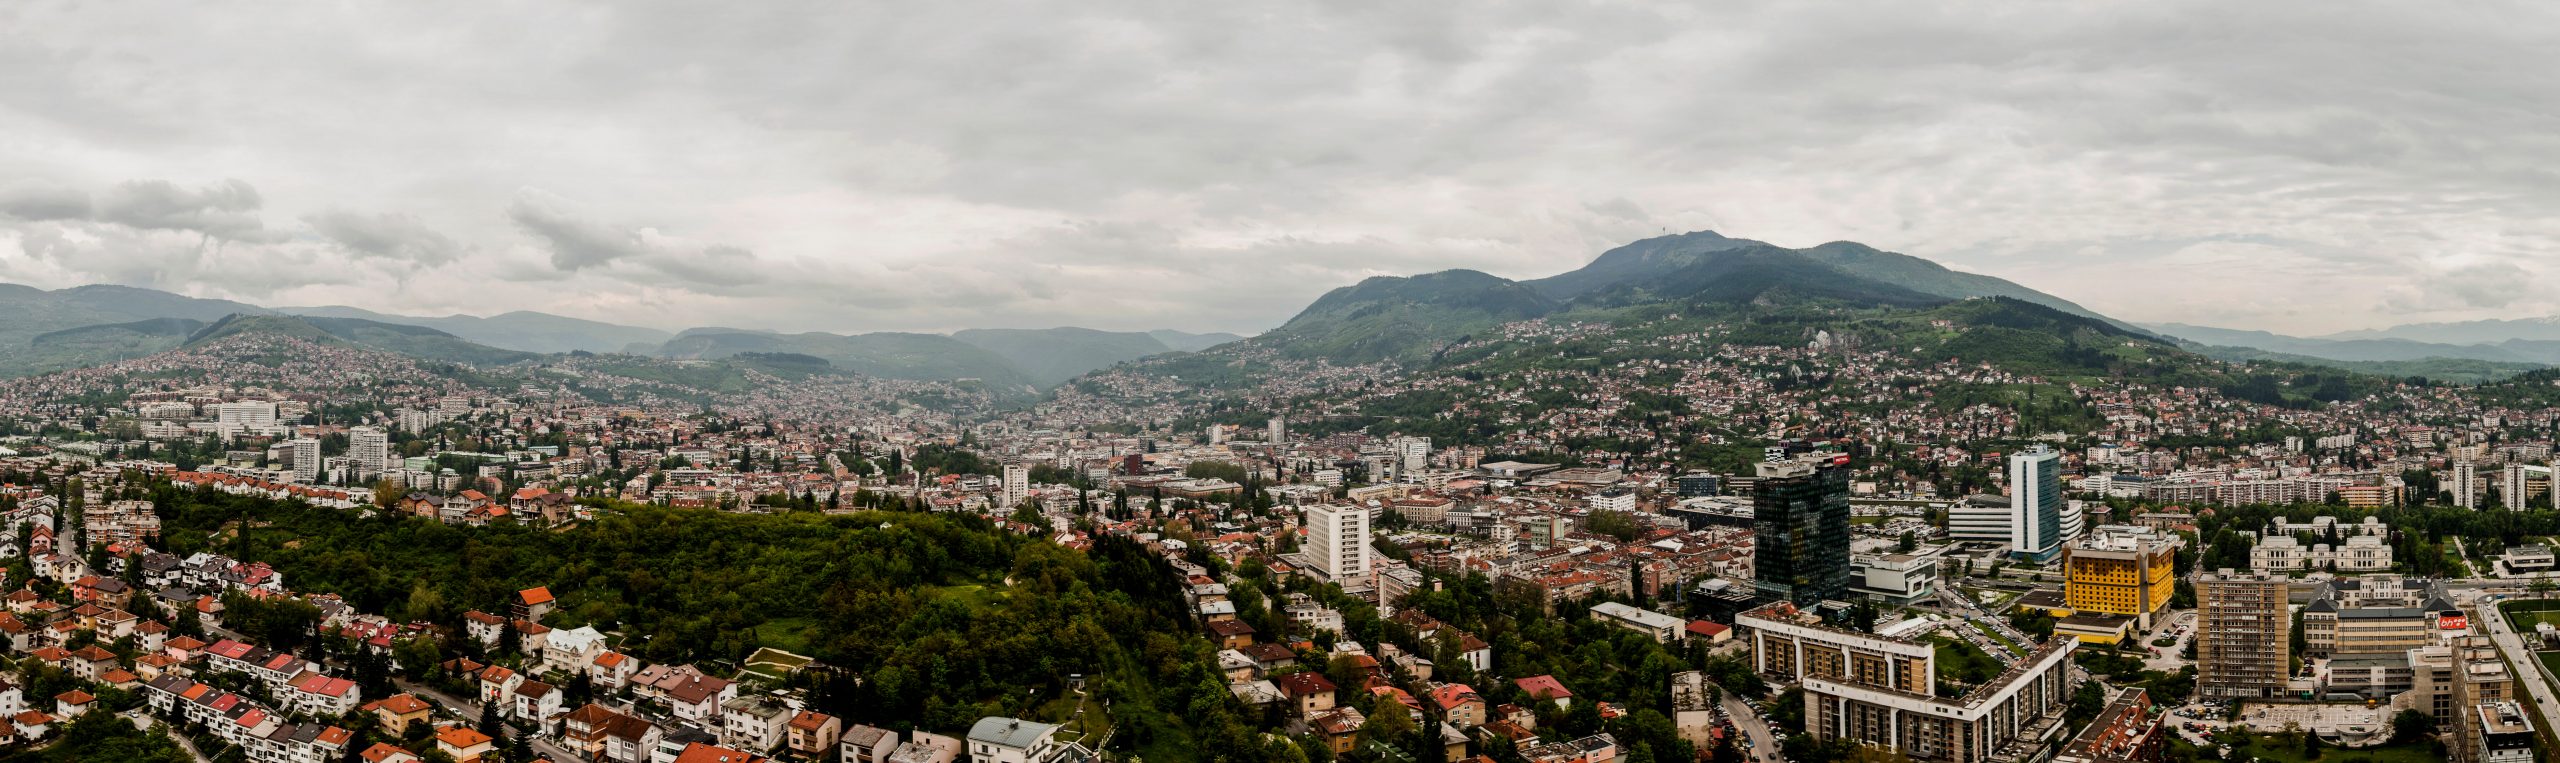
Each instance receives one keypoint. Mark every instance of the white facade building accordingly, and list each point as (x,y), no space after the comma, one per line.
(1338,541)
(371,449)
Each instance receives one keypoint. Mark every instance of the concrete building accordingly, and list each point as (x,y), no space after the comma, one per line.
(2036,505)
(371,449)
(2243,633)
(1338,541)
(1899,579)
(2506,735)
(306,459)
(1017,484)
(2120,573)
(2465,484)
(1800,529)
(2328,630)
(2512,492)
(1883,691)
(1277,431)
(1660,626)
(1011,740)
(2125,731)
(1981,518)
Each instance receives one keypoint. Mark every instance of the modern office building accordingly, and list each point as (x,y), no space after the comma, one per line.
(1980,518)
(1800,529)
(1899,579)
(1883,691)
(1278,431)
(1699,484)
(1338,541)
(2036,505)
(2243,635)
(2120,572)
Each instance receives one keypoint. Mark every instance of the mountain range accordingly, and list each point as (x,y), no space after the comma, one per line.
(1404,320)
(1407,318)
(2505,348)
(42,331)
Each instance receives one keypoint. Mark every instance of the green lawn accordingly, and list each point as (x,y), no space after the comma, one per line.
(2522,615)
(790,634)
(2265,748)
(1962,662)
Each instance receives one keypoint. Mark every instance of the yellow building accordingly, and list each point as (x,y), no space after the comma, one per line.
(2121,573)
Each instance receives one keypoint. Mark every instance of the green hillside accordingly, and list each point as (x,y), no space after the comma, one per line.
(1389,318)
(889,355)
(413,341)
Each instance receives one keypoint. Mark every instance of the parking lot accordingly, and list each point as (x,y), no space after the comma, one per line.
(2347,723)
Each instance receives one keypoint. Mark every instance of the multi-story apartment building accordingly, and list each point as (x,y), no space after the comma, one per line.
(1883,691)
(1338,541)
(2242,635)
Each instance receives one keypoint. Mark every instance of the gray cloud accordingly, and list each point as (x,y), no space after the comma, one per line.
(1131,165)
(43,202)
(396,236)
(577,242)
(227,209)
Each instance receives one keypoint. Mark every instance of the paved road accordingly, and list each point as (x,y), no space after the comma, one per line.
(142,719)
(469,709)
(1764,746)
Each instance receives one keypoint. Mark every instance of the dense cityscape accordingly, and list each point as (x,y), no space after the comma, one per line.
(1114,381)
(282,548)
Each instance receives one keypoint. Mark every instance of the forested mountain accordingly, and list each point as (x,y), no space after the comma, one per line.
(44,331)
(1405,320)
(1183,341)
(519,330)
(413,341)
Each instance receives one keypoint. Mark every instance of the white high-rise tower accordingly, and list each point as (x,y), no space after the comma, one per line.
(1017,484)
(1338,541)
(371,449)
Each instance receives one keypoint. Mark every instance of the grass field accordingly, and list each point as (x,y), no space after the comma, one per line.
(2522,615)
(2265,748)
(1962,662)
(790,634)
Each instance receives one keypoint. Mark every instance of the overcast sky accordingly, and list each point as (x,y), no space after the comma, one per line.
(1214,166)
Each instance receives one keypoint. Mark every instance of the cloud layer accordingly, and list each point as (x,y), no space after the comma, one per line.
(2301,167)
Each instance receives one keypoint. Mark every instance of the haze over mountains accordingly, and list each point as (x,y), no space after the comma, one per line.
(2472,351)
(1386,318)
(44,331)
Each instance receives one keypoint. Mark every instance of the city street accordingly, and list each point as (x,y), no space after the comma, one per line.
(1764,746)
(469,712)
(2529,671)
